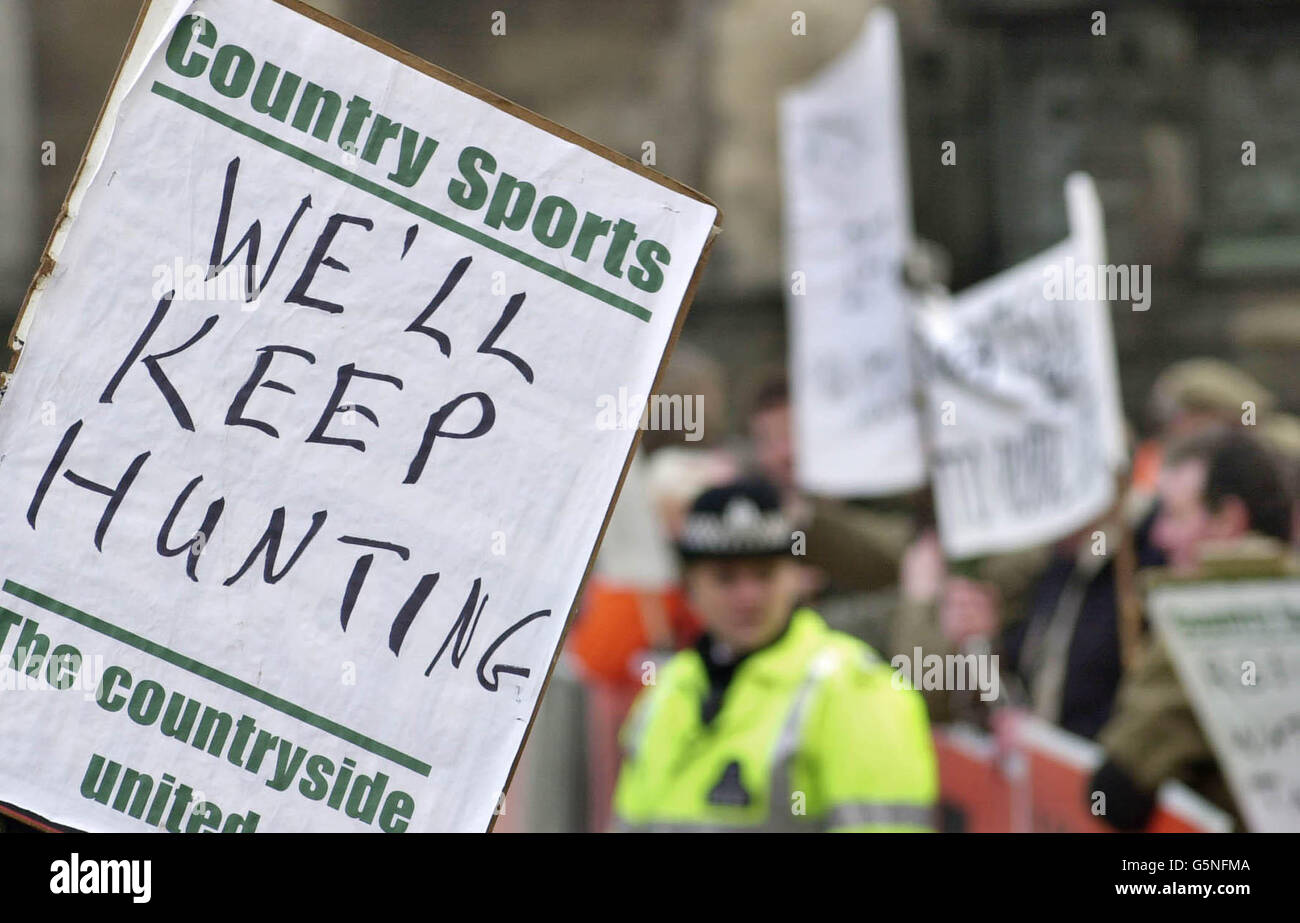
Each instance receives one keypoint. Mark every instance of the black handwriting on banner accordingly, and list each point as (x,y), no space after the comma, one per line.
(1025,471)
(279,554)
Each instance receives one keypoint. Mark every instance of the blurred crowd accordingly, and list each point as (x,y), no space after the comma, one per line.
(1211,487)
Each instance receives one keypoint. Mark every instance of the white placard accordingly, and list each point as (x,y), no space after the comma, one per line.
(1236,646)
(313,530)
(847,228)
(1023,411)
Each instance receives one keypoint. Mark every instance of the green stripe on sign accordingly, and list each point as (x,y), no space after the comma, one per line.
(401,201)
(214,675)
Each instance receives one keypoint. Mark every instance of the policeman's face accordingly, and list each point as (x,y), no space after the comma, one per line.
(1184,523)
(742,601)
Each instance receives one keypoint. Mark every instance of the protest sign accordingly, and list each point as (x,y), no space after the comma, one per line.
(1236,647)
(1023,411)
(848,228)
(301,462)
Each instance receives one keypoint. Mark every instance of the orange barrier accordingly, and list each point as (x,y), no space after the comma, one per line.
(1036,781)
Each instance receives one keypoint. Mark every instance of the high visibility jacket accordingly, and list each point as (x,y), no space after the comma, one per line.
(814,733)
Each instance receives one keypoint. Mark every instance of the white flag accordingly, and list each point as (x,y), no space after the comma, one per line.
(848,227)
(1023,400)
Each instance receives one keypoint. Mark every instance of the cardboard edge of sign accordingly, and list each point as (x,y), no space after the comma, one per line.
(28,819)
(47,266)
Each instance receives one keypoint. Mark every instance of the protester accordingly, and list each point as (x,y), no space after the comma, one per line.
(959,608)
(1064,645)
(1067,651)
(1281,432)
(1192,396)
(1220,493)
(772,721)
(851,553)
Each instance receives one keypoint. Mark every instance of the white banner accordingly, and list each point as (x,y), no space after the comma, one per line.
(1236,646)
(1023,410)
(848,228)
(289,545)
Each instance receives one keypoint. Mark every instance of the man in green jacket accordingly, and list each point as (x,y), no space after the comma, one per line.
(1224,508)
(772,722)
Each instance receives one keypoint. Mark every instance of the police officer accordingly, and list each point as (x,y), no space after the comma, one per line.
(772,721)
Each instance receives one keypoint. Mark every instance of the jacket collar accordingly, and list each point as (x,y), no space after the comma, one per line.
(778,660)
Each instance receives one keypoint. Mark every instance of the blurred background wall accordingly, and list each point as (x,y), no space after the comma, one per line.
(1157,110)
